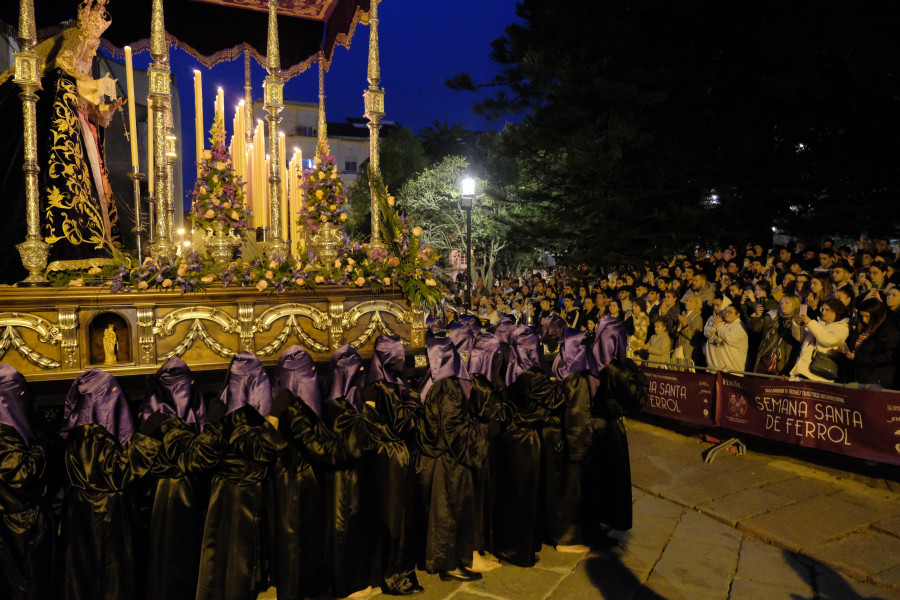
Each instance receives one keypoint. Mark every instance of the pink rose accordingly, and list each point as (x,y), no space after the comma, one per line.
(263,284)
(167,283)
(182,269)
(359,281)
(210,214)
(269,275)
(208,278)
(235,215)
(142,285)
(76,282)
(387,281)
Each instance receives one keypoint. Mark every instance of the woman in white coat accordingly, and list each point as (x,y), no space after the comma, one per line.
(822,336)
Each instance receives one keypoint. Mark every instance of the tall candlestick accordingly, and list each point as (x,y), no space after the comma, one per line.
(150,172)
(198,117)
(132,107)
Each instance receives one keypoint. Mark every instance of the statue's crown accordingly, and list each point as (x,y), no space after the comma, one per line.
(93,18)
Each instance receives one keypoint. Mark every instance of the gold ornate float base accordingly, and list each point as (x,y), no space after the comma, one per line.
(55,334)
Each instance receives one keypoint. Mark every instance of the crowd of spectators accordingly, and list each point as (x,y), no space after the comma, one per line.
(823,313)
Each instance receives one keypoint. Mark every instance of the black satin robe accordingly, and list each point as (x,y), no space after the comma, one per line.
(234,541)
(27,533)
(298,541)
(518,473)
(348,546)
(488,407)
(454,446)
(390,485)
(180,498)
(99,517)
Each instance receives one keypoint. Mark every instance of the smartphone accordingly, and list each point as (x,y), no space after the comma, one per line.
(803,309)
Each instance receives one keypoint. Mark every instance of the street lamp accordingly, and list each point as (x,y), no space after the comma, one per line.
(465,202)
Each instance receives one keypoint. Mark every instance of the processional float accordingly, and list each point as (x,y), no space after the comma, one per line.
(52,333)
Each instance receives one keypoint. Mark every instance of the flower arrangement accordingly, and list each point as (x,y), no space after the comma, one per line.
(326,201)
(218,199)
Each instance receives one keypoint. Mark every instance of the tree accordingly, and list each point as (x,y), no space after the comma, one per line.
(401,157)
(442,140)
(653,126)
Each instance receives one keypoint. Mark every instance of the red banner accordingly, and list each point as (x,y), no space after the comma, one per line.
(681,395)
(860,423)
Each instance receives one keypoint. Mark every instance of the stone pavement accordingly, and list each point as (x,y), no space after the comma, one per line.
(742,527)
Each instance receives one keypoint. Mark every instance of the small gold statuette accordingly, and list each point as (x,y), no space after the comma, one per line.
(110,345)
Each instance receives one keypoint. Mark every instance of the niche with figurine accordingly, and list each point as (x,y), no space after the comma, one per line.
(109,338)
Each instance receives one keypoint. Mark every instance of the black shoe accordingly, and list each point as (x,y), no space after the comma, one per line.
(460,574)
(407,587)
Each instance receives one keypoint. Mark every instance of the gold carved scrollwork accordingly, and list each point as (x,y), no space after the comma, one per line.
(248,326)
(146,338)
(12,338)
(166,325)
(290,312)
(68,325)
(376,322)
(48,332)
(336,331)
(198,331)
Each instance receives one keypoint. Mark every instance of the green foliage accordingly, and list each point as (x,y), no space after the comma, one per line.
(634,117)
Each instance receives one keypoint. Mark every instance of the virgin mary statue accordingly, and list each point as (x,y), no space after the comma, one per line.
(77,209)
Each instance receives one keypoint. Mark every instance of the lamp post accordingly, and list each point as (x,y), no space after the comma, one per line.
(465,202)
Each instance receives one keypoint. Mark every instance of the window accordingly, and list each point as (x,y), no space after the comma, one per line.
(305,131)
(308,163)
(350,167)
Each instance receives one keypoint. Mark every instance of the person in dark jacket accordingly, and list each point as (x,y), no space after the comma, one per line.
(191,448)
(104,459)
(874,352)
(453,447)
(234,535)
(390,468)
(27,531)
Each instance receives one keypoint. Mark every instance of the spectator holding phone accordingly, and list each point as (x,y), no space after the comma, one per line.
(874,351)
(820,337)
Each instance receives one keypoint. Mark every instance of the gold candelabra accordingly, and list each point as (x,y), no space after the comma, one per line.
(374,103)
(273,91)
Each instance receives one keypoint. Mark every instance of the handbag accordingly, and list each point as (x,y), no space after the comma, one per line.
(824,366)
(767,363)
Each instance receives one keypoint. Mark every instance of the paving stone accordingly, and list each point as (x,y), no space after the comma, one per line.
(762,563)
(716,486)
(744,589)
(891,525)
(681,476)
(638,558)
(801,488)
(694,526)
(659,587)
(834,586)
(890,578)
(744,504)
(657,507)
(807,523)
(551,560)
(515,582)
(878,503)
(645,473)
(696,566)
(595,578)
(647,530)
(862,554)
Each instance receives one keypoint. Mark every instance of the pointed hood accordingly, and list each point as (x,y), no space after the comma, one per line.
(297,373)
(524,353)
(388,360)
(486,357)
(172,392)
(443,361)
(345,376)
(463,338)
(96,398)
(504,329)
(246,383)
(610,341)
(17,408)
(573,355)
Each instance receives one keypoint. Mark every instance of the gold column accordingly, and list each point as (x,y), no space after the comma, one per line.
(273,90)
(322,134)
(160,99)
(374,103)
(28,75)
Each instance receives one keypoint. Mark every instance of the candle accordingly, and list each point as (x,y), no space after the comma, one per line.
(260,175)
(150,174)
(238,141)
(132,107)
(220,106)
(249,190)
(294,200)
(283,207)
(198,117)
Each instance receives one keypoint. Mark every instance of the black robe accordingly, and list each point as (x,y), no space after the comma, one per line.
(296,552)
(99,517)
(180,498)
(347,541)
(454,447)
(390,485)
(27,532)
(234,544)
(518,479)
(488,407)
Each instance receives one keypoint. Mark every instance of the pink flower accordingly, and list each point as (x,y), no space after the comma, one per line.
(430,282)
(76,282)
(269,275)
(263,284)
(360,281)
(393,261)
(387,281)
(167,283)
(142,285)
(210,214)
(206,278)
(94,270)
(182,269)
(319,279)
(235,215)
(417,231)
